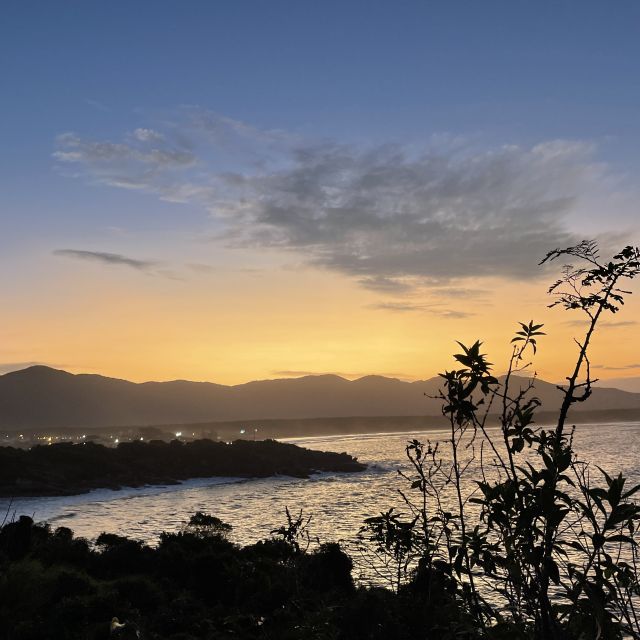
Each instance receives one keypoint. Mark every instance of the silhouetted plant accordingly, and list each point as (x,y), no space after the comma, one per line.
(391,546)
(295,532)
(534,547)
(205,525)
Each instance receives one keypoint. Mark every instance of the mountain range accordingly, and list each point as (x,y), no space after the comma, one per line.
(41,397)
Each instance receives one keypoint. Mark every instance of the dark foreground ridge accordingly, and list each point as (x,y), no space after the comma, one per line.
(196,584)
(67,469)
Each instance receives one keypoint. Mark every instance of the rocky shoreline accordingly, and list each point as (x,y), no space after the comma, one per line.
(71,469)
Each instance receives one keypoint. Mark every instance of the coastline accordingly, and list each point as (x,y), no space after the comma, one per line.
(299,428)
(74,469)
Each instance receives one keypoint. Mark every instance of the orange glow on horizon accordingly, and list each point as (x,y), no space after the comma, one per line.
(237,327)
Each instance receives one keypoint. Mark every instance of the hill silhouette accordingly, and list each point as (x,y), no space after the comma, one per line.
(42,397)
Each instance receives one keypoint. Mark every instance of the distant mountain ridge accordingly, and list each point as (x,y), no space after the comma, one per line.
(42,397)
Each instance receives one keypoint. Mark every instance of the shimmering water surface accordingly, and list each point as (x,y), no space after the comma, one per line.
(337,502)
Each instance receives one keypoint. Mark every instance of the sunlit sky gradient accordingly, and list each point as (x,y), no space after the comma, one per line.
(229,191)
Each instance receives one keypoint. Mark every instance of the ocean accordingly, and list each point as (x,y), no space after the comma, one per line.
(337,502)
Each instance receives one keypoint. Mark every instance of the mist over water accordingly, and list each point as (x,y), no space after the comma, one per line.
(337,502)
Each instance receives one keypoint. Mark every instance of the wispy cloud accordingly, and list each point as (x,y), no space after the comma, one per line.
(460,293)
(393,218)
(148,135)
(453,314)
(605,324)
(406,307)
(383,284)
(108,258)
(615,324)
(142,159)
(623,367)
(401,307)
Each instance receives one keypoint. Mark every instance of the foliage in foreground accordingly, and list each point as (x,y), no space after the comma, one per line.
(537,543)
(197,584)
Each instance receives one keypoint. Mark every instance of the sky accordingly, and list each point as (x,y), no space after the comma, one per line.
(228,191)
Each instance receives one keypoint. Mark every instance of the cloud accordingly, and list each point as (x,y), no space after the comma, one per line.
(577,322)
(460,293)
(393,218)
(404,307)
(620,323)
(107,258)
(223,130)
(397,306)
(103,155)
(624,367)
(452,314)
(383,216)
(385,285)
(613,324)
(147,135)
(144,158)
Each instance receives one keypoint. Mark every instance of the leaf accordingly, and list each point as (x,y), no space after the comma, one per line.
(554,572)
(631,491)
(621,513)
(622,538)
(517,445)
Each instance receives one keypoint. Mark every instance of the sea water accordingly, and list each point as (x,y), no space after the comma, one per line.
(337,502)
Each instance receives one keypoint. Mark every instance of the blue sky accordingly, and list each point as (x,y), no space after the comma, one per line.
(540,99)
(362,70)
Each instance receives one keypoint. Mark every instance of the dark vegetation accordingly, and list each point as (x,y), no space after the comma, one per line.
(543,546)
(197,584)
(62,469)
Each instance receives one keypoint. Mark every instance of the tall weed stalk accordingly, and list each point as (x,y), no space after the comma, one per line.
(533,541)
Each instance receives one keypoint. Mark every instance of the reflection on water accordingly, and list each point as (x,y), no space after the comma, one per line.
(338,502)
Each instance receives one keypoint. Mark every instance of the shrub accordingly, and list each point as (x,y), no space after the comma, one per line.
(536,548)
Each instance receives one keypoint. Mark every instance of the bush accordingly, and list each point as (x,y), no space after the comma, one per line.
(536,548)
